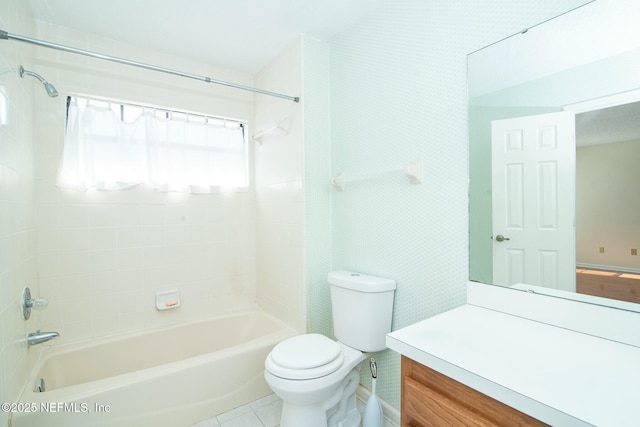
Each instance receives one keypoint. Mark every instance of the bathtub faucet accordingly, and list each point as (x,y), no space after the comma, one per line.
(39,337)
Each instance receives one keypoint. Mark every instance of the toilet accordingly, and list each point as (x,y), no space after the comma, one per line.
(317,377)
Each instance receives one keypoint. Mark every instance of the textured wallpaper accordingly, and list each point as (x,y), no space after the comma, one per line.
(397,94)
(317,169)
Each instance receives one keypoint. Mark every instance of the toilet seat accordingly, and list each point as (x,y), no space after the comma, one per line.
(305,357)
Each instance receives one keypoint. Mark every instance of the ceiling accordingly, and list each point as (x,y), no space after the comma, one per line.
(613,124)
(245,35)
(241,35)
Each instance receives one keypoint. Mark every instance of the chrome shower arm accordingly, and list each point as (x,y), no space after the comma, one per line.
(51,91)
(22,72)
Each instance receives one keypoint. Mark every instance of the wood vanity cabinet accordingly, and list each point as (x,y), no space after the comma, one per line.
(429,398)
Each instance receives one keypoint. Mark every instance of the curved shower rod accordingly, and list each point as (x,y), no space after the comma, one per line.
(8,36)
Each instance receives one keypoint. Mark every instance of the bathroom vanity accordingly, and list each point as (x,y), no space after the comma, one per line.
(520,358)
(430,398)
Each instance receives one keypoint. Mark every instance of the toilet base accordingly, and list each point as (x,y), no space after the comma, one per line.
(337,411)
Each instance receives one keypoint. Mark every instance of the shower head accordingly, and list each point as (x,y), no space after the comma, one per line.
(51,91)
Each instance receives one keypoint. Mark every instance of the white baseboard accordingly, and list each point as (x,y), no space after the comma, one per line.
(391,414)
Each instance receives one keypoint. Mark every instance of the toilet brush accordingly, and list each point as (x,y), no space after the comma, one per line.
(372,416)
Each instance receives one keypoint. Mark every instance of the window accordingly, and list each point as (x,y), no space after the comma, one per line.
(112,145)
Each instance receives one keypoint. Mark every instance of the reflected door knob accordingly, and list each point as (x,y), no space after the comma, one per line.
(501,238)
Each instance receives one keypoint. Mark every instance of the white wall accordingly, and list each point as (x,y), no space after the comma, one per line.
(399,93)
(102,256)
(17,211)
(279,177)
(318,191)
(607,212)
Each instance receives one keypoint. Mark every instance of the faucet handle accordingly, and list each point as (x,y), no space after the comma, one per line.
(39,303)
(28,303)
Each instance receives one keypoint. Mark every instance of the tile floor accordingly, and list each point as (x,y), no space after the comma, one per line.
(263,412)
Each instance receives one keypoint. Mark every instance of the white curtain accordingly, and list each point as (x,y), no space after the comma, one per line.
(197,156)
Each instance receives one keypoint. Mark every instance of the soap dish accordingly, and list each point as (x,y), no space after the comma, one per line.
(167,300)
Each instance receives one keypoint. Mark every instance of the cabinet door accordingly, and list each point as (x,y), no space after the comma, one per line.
(426,407)
(432,399)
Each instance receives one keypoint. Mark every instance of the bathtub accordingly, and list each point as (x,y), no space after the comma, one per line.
(175,376)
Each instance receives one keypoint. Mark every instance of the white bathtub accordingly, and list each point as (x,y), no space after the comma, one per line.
(171,377)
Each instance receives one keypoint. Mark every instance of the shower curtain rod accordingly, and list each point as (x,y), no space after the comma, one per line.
(8,36)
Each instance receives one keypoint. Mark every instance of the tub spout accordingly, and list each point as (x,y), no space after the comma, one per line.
(39,337)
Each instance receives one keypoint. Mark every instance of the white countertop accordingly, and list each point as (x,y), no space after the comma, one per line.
(559,376)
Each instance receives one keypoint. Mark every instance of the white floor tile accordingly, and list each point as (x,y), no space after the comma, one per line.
(234,413)
(265,412)
(247,420)
(270,413)
(264,401)
(211,422)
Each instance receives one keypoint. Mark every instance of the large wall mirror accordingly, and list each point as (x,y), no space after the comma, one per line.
(554,130)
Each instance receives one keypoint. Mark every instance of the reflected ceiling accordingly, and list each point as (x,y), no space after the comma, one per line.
(608,125)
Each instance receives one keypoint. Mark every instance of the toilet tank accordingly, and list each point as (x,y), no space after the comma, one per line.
(362,307)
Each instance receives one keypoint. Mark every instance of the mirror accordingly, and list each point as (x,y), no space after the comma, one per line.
(566,225)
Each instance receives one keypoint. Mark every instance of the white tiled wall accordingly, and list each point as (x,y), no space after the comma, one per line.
(102,256)
(280,190)
(17,224)
(318,192)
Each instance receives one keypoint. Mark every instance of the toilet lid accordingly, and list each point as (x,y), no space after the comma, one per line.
(305,357)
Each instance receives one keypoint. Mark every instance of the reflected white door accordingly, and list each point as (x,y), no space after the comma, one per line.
(533,182)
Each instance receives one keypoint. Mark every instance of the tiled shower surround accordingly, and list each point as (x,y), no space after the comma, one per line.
(102,255)
(17,213)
